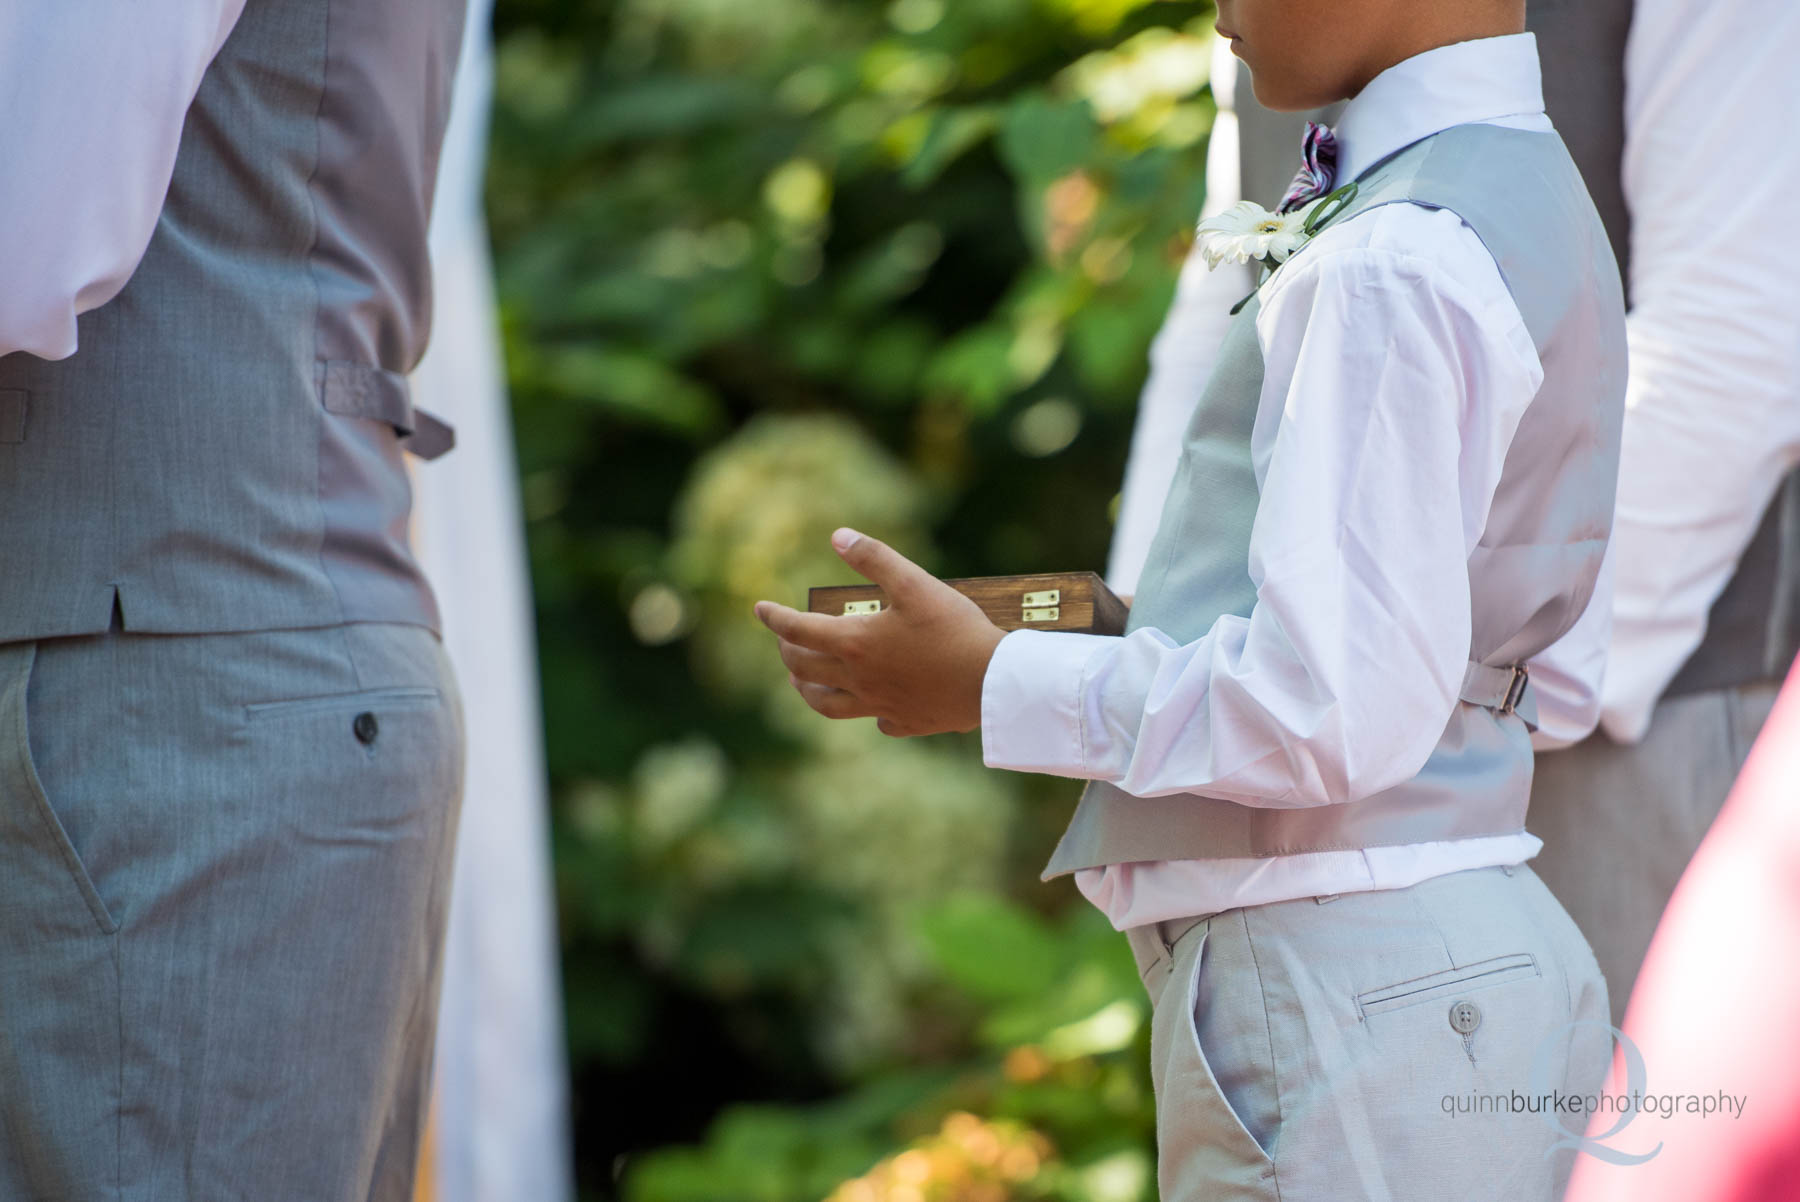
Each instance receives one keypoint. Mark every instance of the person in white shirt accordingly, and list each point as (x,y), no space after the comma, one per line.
(1645,728)
(1706,608)
(1313,1008)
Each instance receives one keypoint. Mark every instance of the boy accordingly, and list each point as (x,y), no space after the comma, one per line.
(1309,755)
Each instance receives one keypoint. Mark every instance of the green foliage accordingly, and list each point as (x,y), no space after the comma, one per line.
(990,948)
(1063,1059)
(767,269)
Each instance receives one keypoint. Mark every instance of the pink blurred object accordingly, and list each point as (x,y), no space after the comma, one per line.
(1716,1010)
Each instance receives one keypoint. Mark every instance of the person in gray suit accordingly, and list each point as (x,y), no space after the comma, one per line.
(1671,117)
(231,745)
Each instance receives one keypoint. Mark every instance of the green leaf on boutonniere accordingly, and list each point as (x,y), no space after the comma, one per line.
(1328,209)
(1269,270)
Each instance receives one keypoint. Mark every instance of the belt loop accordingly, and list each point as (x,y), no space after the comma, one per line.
(1170,931)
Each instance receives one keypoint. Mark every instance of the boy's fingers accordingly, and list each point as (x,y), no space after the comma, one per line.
(833,703)
(814,666)
(901,578)
(817,631)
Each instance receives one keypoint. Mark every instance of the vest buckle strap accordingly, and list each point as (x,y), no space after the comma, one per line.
(365,390)
(431,435)
(1503,688)
(1515,688)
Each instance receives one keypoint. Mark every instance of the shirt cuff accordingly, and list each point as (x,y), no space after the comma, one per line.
(1031,701)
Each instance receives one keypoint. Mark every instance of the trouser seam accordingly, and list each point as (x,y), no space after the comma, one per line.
(1432,922)
(118,951)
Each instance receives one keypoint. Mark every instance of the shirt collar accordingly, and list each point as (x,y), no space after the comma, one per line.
(1479,80)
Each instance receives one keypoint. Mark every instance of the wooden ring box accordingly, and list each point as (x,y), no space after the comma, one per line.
(1075,601)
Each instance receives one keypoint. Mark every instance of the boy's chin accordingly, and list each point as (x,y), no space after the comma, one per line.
(1289,96)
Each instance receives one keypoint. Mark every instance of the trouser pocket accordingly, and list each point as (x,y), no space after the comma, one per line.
(59,983)
(1211,1067)
(41,856)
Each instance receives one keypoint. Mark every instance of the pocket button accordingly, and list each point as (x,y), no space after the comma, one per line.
(1465,1017)
(365,727)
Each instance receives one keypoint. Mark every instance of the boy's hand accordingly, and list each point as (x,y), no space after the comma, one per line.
(916,667)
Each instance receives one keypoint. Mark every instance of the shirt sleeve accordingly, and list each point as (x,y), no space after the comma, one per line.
(1712,411)
(1399,367)
(95,94)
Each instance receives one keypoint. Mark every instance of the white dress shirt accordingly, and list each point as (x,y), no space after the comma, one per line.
(94,96)
(1712,407)
(1383,309)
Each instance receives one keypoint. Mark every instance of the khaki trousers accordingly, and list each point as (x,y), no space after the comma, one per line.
(1335,1049)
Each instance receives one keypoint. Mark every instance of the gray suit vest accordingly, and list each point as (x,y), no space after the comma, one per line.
(1530,576)
(224,450)
(1753,627)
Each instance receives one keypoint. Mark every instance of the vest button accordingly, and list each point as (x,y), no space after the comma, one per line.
(1465,1017)
(366,727)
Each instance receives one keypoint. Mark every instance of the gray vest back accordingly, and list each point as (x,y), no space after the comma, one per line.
(1753,628)
(224,450)
(1530,576)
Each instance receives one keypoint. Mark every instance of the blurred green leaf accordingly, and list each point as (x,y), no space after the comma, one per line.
(952,132)
(991,947)
(633,386)
(1042,138)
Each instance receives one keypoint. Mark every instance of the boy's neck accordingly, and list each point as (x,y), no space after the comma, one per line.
(1439,25)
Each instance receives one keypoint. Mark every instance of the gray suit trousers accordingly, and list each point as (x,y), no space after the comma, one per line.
(224,869)
(1620,821)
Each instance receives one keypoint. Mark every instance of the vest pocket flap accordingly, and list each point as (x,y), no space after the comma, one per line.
(1432,986)
(12,414)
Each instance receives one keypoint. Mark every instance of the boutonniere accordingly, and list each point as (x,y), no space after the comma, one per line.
(1247,231)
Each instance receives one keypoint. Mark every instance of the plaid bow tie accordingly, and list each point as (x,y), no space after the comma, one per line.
(1318,169)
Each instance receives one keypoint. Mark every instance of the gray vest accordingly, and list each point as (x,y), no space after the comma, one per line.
(1753,627)
(1530,576)
(224,450)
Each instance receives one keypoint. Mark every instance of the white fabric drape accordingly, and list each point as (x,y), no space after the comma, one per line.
(501,1094)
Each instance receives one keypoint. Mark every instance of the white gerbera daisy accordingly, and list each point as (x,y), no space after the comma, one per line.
(1248,231)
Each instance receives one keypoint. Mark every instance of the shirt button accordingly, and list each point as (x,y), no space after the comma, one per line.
(1465,1017)
(366,727)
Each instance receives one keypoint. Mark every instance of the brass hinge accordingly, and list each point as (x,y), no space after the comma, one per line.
(1043,605)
